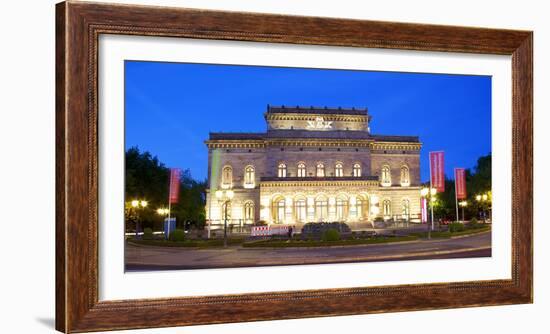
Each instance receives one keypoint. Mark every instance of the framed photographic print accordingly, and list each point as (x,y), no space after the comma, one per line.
(223,166)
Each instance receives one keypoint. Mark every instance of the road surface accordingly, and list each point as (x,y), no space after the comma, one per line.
(145,258)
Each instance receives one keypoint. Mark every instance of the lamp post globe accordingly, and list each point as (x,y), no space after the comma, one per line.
(136,205)
(424,192)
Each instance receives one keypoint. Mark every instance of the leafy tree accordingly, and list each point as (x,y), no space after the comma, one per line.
(148,179)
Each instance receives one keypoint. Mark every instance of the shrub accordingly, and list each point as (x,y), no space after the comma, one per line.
(379,219)
(177,235)
(318,229)
(475,224)
(147,234)
(353,235)
(261,223)
(331,235)
(456,227)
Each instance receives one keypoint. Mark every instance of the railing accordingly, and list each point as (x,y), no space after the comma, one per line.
(233,225)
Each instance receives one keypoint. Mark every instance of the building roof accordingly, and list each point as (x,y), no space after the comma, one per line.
(307,134)
(390,138)
(316,110)
(237,135)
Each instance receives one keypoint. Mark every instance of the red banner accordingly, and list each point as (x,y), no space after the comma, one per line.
(437,171)
(173,196)
(460,183)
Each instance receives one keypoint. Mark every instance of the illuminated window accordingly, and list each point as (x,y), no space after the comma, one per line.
(301,170)
(386,208)
(357,170)
(405,176)
(227,177)
(321,208)
(249,175)
(301,210)
(385,176)
(249,212)
(359,208)
(280,211)
(341,209)
(281,171)
(320,170)
(405,205)
(339,170)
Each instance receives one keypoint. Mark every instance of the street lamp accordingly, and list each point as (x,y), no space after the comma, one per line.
(162,211)
(482,199)
(463,204)
(224,198)
(429,194)
(137,204)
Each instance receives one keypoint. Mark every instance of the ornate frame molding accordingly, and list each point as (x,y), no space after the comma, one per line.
(78,26)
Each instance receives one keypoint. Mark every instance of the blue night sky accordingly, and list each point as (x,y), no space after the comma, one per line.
(171,107)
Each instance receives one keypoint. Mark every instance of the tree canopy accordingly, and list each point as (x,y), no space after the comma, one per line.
(148,179)
(478,181)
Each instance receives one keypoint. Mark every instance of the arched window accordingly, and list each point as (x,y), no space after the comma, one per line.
(320,170)
(405,176)
(281,170)
(385,176)
(227,177)
(301,170)
(339,169)
(301,210)
(249,176)
(341,209)
(386,208)
(357,170)
(280,213)
(321,208)
(249,212)
(405,208)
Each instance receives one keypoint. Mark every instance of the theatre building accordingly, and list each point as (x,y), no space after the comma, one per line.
(312,165)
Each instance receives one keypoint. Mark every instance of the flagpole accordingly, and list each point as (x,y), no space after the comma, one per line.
(169,214)
(430,201)
(456,198)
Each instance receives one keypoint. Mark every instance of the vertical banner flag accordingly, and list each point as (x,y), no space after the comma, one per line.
(437,171)
(174,193)
(460,183)
(424,210)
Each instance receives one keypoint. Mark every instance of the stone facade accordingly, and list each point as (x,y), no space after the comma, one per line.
(311,165)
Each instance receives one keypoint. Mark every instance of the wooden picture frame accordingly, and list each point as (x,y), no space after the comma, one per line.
(78,26)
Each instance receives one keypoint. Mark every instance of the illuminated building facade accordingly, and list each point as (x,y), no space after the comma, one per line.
(313,165)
